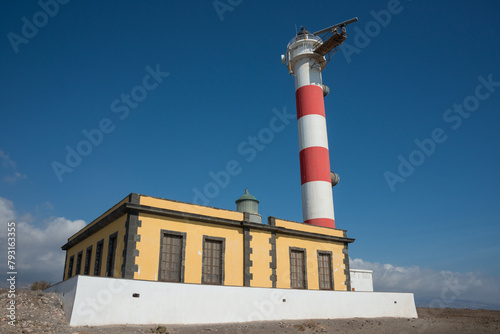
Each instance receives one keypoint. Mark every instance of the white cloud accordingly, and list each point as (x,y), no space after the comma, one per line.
(15,177)
(435,288)
(6,160)
(10,164)
(38,246)
(6,210)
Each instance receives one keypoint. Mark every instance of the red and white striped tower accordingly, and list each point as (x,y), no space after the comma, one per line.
(306,65)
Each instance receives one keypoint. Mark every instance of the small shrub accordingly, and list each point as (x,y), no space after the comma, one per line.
(39,285)
(159,330)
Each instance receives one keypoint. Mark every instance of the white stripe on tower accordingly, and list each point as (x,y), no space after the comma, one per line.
(317,199)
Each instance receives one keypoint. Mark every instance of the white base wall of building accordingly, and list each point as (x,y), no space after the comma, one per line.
(100,301)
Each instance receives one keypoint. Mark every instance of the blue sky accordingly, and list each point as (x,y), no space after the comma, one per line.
(402,75)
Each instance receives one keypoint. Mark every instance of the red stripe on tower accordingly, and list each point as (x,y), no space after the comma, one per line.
(314,164)
(309,101)
(324,222)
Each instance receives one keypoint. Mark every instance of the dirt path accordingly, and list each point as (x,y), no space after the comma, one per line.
(38,312)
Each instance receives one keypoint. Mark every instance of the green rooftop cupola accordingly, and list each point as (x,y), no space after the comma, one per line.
(247,203)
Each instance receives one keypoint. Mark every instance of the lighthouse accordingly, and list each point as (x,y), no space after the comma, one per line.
(306,57)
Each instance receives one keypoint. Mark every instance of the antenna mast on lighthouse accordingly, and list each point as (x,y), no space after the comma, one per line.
(306,56)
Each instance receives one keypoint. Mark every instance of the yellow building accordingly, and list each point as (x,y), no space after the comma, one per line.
(155,239)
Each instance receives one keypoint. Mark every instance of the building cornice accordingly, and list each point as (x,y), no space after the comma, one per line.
(193,217)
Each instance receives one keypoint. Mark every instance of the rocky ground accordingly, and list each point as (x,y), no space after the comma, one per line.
(39,312)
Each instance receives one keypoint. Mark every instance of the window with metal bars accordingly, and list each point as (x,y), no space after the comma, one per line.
(298,275)
(110,264)
(88,257)
(70,266)
(78,263)
(98,258)
(213,261)
(325,270)
(171,266)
